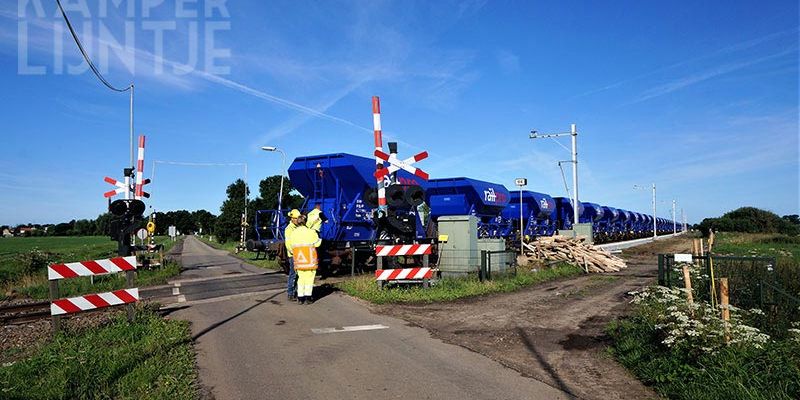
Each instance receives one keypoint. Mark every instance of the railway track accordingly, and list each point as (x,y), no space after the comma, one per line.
(22,313)
(175,293)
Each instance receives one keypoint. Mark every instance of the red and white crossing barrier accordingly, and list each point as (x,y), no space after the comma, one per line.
(139,193)
(376,123)
(403,273)
(403,250)
(90,268)
(93,301)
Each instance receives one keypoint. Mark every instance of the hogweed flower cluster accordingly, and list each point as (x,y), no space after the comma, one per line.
(695,327)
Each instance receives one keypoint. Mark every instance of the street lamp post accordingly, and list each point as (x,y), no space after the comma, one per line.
(674,221)
(521,182)
(655,227)
(283,166)
(683,218)
(573,133)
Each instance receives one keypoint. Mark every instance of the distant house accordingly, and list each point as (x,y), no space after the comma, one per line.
(25,231)
(7,233)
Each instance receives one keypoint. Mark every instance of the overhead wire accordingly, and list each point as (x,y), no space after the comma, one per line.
(86,56)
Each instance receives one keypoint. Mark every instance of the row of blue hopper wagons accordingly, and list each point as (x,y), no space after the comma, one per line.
(344,186)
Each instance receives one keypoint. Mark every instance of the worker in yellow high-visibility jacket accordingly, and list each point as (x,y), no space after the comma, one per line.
(304,242)
(291,281)
(315,218)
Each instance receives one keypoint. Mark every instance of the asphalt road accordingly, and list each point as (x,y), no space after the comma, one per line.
(260,346)
(209,274)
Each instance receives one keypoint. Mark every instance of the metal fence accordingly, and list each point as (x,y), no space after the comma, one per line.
(753,282)
(497,262)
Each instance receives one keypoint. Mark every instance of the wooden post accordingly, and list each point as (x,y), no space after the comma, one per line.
(130,277)
(710,241)
(687,283)
(54,295)
(726,313)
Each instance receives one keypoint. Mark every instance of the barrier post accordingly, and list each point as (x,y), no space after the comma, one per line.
(56,319)
(426,283)
(130,278)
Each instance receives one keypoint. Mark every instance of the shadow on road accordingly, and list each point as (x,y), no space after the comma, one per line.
(234,316)
(543,363)
(323,290)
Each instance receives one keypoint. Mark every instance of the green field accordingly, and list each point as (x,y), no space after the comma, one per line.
(785,248)
(24,261)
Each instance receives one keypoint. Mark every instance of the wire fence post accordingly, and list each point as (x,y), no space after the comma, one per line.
(353,263)
(488,265)
(482,269)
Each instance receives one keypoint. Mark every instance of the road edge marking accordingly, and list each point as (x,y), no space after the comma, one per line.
(355,328)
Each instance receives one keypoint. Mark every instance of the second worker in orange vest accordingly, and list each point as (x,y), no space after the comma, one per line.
(304,242)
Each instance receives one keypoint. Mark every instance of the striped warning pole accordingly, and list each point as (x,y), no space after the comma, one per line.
(376,122)
(140,169)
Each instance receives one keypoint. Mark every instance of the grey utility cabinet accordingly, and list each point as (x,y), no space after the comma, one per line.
(459,255)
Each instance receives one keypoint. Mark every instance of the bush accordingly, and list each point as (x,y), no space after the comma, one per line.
(34,261)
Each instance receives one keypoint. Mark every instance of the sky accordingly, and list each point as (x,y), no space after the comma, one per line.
(700,98)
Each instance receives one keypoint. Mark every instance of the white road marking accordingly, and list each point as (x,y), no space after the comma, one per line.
(176,291)
(349,329)
(181,299)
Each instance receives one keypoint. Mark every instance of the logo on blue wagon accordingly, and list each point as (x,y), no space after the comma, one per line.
(490,195)
(544,204)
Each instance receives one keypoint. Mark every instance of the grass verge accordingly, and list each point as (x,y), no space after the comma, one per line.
(448,289)
(230,247)
(150,358)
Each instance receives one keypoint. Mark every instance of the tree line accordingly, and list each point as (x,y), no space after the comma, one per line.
(752,220)
(225,226)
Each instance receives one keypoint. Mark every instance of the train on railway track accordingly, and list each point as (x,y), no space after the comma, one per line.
(344,186)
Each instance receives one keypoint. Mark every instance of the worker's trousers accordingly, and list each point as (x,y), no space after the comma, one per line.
(305,283)
(291,280)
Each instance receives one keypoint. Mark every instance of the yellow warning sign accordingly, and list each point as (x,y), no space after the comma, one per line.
(443,238)
(151,227)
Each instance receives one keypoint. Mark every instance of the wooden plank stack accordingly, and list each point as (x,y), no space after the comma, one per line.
(575,251)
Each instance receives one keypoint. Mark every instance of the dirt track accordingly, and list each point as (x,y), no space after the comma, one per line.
(553,332)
